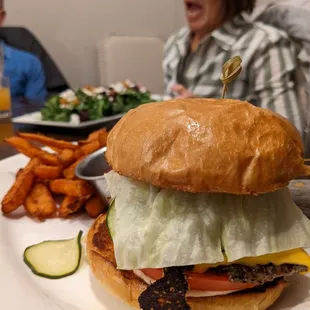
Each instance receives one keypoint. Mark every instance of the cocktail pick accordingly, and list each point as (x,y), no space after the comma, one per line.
(231,69)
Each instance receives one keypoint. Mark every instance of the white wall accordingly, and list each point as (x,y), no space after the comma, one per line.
(69,29)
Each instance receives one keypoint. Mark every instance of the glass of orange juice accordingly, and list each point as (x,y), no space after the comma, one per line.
(6,130)
(5,97)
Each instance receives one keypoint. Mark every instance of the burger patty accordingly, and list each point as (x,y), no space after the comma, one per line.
(259,274)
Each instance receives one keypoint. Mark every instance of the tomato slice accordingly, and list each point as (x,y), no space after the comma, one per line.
(203,281)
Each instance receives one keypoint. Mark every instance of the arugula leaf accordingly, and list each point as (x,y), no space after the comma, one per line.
(82,97)
(107,107)
(54,112)
(63,116)
(118,105)
(96,110)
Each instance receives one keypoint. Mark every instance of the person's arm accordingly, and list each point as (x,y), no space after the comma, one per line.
(35,84)
(273,78)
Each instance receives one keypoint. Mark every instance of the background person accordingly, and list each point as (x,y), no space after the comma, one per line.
(24,70)
(217,31)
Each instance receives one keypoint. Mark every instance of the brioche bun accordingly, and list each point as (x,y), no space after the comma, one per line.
(207,145)
(126,286)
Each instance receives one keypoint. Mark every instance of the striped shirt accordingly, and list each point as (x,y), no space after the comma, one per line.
(268,60)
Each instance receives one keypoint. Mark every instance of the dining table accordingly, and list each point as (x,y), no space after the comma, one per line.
(300,188)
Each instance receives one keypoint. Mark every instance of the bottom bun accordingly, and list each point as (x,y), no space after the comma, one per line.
(128,287)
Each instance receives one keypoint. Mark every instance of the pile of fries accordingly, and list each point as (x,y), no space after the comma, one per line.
(49,174)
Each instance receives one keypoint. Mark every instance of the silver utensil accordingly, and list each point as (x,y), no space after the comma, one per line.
(92,169)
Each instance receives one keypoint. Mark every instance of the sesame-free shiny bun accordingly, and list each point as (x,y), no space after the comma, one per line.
(207,145)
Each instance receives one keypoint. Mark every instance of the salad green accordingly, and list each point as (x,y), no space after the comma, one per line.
(180,229)
(93,103)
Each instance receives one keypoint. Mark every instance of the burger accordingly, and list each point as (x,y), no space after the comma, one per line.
(201,217)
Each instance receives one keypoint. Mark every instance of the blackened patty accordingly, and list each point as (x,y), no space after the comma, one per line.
(258,274)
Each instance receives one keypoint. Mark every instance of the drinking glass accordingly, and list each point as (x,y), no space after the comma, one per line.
(5,98)
(6,129)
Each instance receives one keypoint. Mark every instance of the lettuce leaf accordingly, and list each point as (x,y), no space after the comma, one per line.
(156,228)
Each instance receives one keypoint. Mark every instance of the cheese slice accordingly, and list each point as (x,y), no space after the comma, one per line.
(296,256)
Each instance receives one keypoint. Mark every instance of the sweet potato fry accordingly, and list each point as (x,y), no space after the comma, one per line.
(40,202)
(72,188)
(87,149)
(69,173)
(28,149)
(94,136)
(96,206)
(67,157)
(103,137)
(55,149)
(71,205)
(48,141)
(18,193)
(19,172)
(44,172)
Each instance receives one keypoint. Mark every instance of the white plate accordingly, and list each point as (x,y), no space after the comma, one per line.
(20,289)
(35,118)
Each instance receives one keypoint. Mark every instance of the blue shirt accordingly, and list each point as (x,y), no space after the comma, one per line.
(25,72)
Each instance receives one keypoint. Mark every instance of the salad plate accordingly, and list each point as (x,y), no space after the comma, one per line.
(20,289)
(35,118)
(88,106)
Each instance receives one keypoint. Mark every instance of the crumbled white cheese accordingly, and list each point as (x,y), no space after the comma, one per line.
(130,84)
(99,90)
(118,87)
(67,106)
(143,89)
(75,119)
(87,92)
(111,99)
(68,95)
(64,106)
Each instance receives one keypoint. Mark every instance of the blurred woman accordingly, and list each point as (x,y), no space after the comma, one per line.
(217,30)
